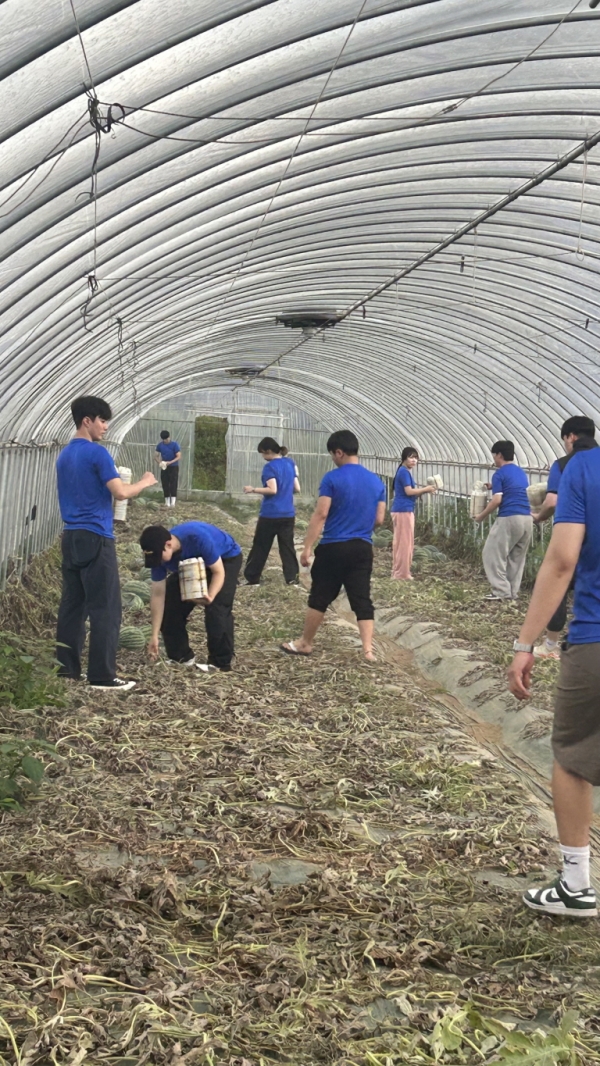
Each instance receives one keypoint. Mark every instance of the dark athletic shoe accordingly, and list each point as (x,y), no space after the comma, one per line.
(558,899)
(116,685)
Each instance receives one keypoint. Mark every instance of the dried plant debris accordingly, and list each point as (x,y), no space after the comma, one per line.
(302,861)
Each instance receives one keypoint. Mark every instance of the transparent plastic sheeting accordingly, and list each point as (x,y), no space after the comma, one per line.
(261,157)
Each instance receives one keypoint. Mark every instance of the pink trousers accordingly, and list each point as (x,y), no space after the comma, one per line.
(404,544)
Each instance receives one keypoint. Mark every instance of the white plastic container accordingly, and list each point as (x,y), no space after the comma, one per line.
(192,579)
(477,501)
(436,479)
(163,466)
(537,493)
(120,514)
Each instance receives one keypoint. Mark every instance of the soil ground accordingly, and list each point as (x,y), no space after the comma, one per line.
(304,861)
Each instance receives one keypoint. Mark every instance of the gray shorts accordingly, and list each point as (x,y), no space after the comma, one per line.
(576,732)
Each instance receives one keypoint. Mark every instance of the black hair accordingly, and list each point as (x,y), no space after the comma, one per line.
(164,433)
(283,450)
(505,448)
(268,444)
(90,407)
(407,452)
(152,542)
(579,426)
(344,441)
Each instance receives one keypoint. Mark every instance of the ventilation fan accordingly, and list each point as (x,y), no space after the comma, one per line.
(308,321)
(246,370)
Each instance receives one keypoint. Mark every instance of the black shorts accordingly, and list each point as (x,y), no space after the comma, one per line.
(346,563)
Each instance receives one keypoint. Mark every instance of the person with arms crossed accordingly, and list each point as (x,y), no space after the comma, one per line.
(574,549)
(169,452)
(505,549)
(406,494)
(351,503)
(577,435)
(277,515)
(163,550)
(88,481)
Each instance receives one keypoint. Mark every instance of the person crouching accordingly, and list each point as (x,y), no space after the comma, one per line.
(163,550)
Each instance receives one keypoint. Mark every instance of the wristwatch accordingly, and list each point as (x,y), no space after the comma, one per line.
(523,647)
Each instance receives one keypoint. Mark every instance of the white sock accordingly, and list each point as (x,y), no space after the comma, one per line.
(576,867)
(552,644)
(173,501)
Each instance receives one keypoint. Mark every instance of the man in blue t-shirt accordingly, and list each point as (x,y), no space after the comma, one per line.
(577,435)
(574,548)
(168,454)
(277,514)
(163,551)
(505,549)
(351,503)
(88,481)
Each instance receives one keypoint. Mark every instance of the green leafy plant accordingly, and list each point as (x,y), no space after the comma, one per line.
(20,770)
(460,1031)
(28,673)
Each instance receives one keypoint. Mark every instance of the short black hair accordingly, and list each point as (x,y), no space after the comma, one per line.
(344,441)
(268,444)
(407,452)
(152,542)
(164,433)
(90,407)
(579,426)
(505,448)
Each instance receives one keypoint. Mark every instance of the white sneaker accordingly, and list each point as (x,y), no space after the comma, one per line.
(189,662)
(206,668)
(544,652)
(116,685)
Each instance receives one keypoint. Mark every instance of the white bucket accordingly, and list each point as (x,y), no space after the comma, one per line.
(192,579)
(436,479)
(121,505)
(477,501)
(163,466)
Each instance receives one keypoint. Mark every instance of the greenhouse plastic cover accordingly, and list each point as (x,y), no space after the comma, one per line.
(245,159)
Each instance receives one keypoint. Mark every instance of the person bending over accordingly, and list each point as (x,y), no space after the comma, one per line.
(577,435)
(88,481)
(505,549)
(169,452)
(277,515)
(406,494)
(163,551)
(351,503)
(574,549)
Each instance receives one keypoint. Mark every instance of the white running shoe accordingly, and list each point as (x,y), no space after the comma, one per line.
(116,685)
(558,899)
(544,652)
(189,662)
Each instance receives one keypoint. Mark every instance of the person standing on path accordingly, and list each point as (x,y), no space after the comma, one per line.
(577,434)
(505,549)
(574,549)
(163,551)
(351,503)
(406,494)
(168,452)
(277,514)
(88,481)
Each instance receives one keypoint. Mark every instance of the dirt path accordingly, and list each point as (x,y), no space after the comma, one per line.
(303,861)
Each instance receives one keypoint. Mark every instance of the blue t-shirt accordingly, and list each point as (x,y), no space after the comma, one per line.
(82,470)
(578,502)
(555,475)
(281,505)
(354,492)
(402,502)
(198,540)
(168,451)
(512,482)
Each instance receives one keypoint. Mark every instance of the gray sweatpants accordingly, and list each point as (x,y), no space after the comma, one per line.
(504,554)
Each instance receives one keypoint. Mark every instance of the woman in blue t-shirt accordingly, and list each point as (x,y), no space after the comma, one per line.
(403,514)
(277,514)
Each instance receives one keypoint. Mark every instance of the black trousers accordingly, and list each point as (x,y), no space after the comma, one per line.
(218,619)
(90,589)
(266,531)
(168,480)
(348,563)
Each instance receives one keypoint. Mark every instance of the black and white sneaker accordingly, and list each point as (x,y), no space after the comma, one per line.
(188,662)
(206,668)
(116,685)
(558,899)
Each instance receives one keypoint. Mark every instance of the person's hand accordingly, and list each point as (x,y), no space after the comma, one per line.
(305,558)
(519,675)
(432,488)
(478,518)
(205,600)
(488,485)
(152,648)
(248,488)
(148,479)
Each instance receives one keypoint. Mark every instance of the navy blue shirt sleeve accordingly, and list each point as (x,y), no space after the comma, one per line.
(326,488)
(159,573)
(497,483)
(554,477)
(571,498)
(105,465)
